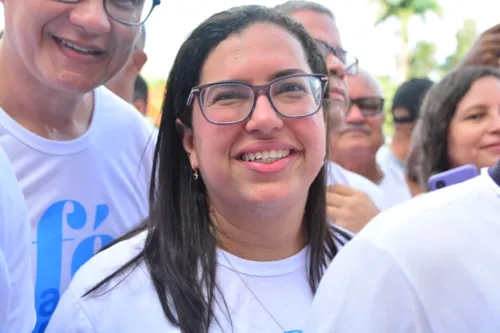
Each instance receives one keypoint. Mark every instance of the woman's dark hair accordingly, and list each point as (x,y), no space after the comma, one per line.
(180,243)
(413,157)
(436,113)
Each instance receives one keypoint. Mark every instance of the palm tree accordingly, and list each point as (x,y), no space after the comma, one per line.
(403,11)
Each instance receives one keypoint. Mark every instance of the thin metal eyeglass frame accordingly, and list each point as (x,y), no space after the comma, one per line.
(335,50)
(265,88)
(355,101)
(156,3)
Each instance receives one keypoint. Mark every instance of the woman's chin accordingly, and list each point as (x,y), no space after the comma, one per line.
(270,196)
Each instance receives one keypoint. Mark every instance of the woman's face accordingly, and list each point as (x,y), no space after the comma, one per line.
(474,135)
(265,160)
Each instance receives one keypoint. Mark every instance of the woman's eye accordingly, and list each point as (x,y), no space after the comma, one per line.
(475,116)
(291,88)
(226,96)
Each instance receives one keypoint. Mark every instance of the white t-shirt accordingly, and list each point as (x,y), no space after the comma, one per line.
(339,175)
(132,305)
(394,186)
(82,193)
(386,158)
(429,265)
(17,302)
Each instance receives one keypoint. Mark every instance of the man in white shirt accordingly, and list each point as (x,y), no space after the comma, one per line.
(355,143)
(81,154)
(349,191)
(17,301)
(428,265)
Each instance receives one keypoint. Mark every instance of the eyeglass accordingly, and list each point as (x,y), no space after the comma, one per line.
(350,61)
(369,106)
(129,12)
(231,102)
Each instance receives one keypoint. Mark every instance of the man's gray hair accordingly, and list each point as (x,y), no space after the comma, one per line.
(293,6)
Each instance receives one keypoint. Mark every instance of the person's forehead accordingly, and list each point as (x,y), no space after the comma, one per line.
(319,25)
(260,50)
(363,84)
(482,91)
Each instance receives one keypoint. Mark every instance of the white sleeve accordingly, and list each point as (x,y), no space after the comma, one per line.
(339,175)
(378,197)
(365,290)
(16,284)
(371,189)
(69,316)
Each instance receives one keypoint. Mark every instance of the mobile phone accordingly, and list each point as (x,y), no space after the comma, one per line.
(452,177)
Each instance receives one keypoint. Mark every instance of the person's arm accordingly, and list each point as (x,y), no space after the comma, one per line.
(349,208)
(365,290)
(485,50)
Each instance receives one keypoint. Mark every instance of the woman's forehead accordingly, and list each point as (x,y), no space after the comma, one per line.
(256,53)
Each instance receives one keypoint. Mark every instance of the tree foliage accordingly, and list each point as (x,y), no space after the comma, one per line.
(465,36)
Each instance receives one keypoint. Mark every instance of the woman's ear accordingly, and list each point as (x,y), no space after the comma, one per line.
(187,141)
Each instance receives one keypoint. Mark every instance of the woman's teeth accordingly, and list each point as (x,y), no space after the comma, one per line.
(266,157)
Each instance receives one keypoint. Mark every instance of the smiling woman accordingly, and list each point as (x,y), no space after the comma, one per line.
(460,122)
(237,223)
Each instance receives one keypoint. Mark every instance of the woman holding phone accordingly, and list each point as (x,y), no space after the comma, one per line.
(460,122)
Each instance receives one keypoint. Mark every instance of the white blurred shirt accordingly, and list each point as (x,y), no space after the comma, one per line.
(82,193)
(393,184)
(17,298)
(339,175)
(429,265)
(280,291)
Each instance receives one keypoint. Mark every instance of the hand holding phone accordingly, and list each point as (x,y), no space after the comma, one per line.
(452,177)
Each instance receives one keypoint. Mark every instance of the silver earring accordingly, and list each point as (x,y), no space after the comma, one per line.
(195,174)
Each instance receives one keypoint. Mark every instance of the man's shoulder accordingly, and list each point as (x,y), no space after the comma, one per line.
(339,175)
(358,180)
(388,161)
(120,114)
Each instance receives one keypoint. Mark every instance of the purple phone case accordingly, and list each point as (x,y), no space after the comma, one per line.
(452,177)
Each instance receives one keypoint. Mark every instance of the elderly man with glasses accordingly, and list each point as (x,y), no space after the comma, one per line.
(81,154)
(352,199)
(354,145)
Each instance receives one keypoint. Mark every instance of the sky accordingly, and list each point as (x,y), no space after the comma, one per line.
(375,47)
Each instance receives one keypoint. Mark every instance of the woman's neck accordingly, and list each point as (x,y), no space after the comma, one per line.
(415,188)
(48,113)
(400,143)
(264,234)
